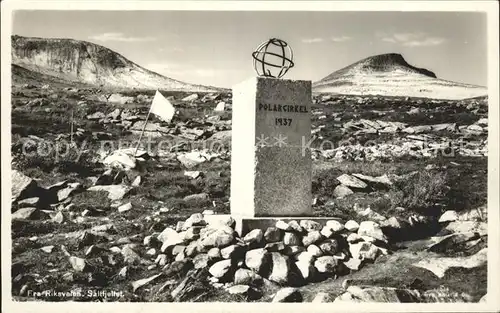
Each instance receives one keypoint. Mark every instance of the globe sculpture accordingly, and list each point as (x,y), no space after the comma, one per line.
(271,59)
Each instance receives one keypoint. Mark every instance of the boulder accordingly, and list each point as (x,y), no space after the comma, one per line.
(272,234)
(311,237)
(329,247)
(220,269)
(323,297)
(22,186)
(310,226)
(255,236)
(191,97)
(244,276)
(288,294)
(351,181)
(342,191)
(364,251)
(291,239)
(448,216)
(352,226)
(306,269)
(280,268)
(27,214)
(326,264)
(221,106)
(257,260)
(439,266)
(371,229)
(120,159)
(115,192)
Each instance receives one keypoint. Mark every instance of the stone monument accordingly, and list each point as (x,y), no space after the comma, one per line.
(270,164)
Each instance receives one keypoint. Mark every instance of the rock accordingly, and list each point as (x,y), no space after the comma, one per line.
(314,250)
(326,264)
(306,257)
(142,282)
(220,269)
(257,260)
(288,294)
(191,159)
(169,234)
(195,219)
(125,207)
(342,191)
(221,106)
(161,259)
(178,249)
(283,226)
(280,268)
(191,249)
(123,272)
(58,218)
(379,294)
(244,276)
(192,233)
(29,202)
(22,186)
(78,264)
(118,98)
(329,247)
(214,254)
(296,226)
(353,238)
(129,255)
(120,159)
(310,226)
(272,234)
(352,226)
(255,236)
(448,216)
(115,192)
(335,226)
(196,197)
(201,260)
(233,252)
(220,237)
(137,182)
(327,232)
(311,237)
(353,264)
(192,174)
(192,97)
(275,246)
(371,229)
(306,269)
(291,239)
(26,214)
(293,250)
(47,249)
(96,116)
(439,266)
(178,268)
(364,251)
(323,297)
(351,181)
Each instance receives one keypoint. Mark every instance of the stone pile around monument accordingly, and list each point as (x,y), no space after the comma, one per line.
(288,253)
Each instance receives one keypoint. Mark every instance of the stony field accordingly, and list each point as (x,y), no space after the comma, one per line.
(404,181)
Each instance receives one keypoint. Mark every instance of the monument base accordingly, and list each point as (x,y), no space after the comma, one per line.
(246,224)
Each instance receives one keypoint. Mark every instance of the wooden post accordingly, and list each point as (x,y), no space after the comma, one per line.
(142,132)
(71,132)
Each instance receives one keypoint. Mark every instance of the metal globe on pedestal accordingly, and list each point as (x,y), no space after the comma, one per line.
(271,59)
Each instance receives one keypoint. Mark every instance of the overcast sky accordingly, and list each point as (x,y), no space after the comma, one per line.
(214,47)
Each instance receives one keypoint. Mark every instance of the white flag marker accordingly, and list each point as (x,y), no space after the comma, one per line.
(160,107)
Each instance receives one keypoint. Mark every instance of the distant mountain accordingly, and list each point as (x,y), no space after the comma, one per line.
(90,64)
(390,75)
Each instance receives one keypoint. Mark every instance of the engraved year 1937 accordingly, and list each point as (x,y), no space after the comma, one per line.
(283,121)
